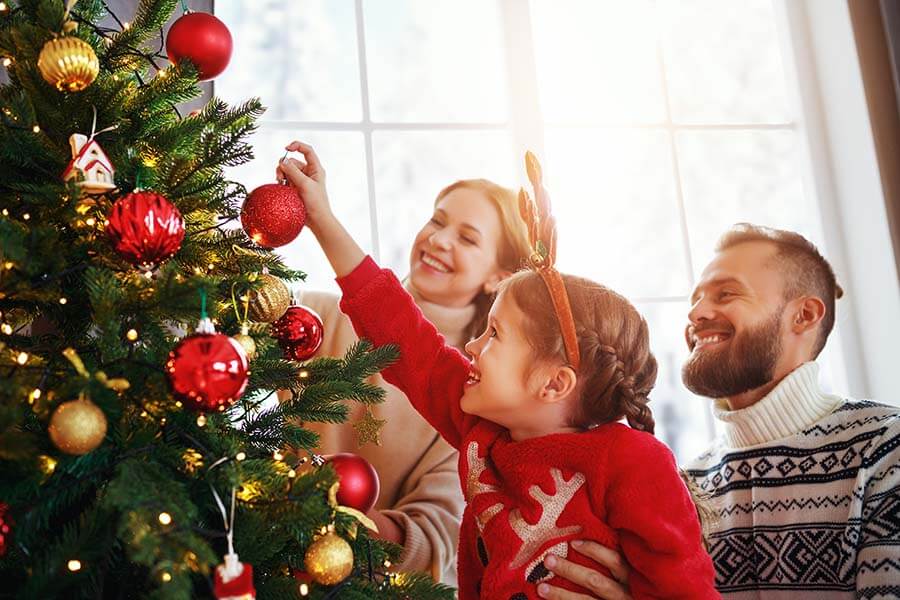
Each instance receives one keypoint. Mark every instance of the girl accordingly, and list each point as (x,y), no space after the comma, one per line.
(534,414)
(474,239)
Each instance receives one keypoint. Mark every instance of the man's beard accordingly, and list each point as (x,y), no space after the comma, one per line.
(746,363)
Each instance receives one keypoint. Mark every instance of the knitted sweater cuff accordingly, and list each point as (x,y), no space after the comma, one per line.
(357,279)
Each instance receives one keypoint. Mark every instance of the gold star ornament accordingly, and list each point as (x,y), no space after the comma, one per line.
(368,429)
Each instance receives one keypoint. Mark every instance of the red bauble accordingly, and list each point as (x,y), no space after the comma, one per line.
(208,371)
(6,524)
(202,39)
(145,228)
(299,333)
(359,481)
(273,215)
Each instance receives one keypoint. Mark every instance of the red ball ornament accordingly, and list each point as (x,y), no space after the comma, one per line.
(6,524)
(202,39)
(208,370)
(273,215)
(145,228)
(299,333)
(359,481)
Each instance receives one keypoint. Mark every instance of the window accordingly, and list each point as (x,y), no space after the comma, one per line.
(659,124)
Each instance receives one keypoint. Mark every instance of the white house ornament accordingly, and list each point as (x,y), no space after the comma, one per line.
(90,167)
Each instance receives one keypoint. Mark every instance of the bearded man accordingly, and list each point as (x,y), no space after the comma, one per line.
(806,484)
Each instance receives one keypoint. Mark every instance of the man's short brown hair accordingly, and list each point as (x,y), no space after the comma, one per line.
(805,270)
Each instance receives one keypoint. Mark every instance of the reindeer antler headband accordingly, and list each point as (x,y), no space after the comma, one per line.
(542,235)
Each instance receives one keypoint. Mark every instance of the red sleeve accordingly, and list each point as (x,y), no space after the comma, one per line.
(429,372)
(656,520)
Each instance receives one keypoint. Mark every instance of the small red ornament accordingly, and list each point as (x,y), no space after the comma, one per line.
(6,524)
(234,580)
(208,370)
(202,39)
(273,215)
(145,228)
(299,333)
(359,481)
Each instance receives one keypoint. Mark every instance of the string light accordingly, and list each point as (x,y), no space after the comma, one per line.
(47,464)
(277,455)
(165,518)
(304,589)
(74,565)
(166,577)
(292,473)
(201,420)
(240,456)
(303,374)
(5,212)
(22,358)
(27,216)
(132,335)
(162,73)
(36,129)
(3,6)
(8,265)
(7,61)
(387,564)
(63,300)
(34,395)
(178,404)
(126,26)
(6,328)
(90,221)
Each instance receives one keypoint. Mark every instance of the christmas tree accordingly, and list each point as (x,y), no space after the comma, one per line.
(137,448)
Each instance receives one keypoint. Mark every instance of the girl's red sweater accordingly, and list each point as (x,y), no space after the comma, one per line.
(612,484)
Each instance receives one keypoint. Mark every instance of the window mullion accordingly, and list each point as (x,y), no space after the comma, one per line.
(367,127)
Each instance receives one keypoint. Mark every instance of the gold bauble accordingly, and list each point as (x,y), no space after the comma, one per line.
(329,559)
(69,63)
(246,342)
(270,300)
(77,427)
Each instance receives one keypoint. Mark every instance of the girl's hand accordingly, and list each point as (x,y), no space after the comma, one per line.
(308,178)
(615,588)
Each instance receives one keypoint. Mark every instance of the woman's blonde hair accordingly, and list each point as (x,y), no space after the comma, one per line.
(514,249)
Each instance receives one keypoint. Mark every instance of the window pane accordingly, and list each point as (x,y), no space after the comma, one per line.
(435,61)
(308,72)
(597,61)
(412,167)
(683,420)
(614,198)
(723,61)
(734,176)
(343,155)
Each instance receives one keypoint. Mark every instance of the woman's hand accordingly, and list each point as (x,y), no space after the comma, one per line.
(615,588)
(308,178)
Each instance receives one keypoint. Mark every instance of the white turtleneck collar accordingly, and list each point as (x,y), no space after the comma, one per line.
(451,321)
(794,404)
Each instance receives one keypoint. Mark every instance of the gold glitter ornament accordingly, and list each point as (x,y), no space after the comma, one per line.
(77,427)
(270,300)
(247,342)
(329,559)
(68,63)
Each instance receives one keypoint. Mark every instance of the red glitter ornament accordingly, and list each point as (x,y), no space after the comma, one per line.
(208,370)
(145,228)
(359,481)
(299,333)
(6,524)
(202,39)
(273,215)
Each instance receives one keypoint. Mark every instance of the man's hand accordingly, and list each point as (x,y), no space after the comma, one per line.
(615,588)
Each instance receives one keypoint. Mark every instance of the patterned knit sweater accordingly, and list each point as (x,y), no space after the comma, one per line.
(807,488)
(612,484)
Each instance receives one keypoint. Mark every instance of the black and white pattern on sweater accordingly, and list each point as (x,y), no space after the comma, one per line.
(818,511)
